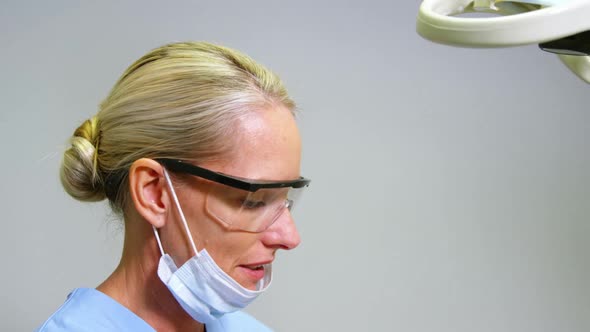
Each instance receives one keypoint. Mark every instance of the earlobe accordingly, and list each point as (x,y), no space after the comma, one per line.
(148,191)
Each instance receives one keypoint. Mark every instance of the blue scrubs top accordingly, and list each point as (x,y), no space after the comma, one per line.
(89,310)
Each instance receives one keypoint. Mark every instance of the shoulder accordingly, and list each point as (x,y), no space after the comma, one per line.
(237,322)
(87,309)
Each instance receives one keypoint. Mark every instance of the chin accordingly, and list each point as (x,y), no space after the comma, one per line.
(251,286)
(245,282)
(247,278)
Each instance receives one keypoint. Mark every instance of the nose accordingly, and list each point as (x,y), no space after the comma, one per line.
(282,234)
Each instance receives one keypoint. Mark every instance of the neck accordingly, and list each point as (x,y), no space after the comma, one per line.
(135,283)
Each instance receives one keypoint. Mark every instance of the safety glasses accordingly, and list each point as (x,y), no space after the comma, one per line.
(243,204)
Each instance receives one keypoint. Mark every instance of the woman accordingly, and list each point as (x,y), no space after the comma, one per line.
(196,148)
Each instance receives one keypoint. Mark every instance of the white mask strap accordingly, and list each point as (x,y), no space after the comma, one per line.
(188,232)
(158,239)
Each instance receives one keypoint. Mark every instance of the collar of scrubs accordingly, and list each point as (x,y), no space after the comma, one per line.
(514,23)
(87,309)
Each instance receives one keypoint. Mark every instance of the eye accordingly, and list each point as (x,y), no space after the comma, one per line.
(252,204)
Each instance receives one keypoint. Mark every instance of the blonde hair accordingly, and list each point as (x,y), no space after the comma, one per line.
(178,101)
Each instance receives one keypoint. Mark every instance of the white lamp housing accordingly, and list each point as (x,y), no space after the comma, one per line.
(519,23)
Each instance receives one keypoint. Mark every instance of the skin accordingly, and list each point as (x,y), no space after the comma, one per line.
(268,148)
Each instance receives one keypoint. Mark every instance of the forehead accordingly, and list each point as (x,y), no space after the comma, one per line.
(267,146)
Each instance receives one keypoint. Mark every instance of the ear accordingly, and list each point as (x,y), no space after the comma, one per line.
(147,187)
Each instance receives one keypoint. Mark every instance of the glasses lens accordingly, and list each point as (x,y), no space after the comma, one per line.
(250,211)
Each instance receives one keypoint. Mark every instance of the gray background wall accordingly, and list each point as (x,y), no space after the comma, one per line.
(450,186)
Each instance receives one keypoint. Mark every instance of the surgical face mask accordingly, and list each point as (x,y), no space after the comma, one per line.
(203,290)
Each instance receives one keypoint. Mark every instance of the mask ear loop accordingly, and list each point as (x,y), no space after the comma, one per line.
(188,232)
(158,239)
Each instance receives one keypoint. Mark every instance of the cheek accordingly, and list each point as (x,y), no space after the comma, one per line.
(230,249)
(191,204)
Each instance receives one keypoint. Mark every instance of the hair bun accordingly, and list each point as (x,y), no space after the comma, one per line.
(79,173)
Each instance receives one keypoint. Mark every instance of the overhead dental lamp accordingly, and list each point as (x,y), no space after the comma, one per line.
(558,26)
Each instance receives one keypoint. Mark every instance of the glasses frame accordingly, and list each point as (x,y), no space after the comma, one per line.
(180,166)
